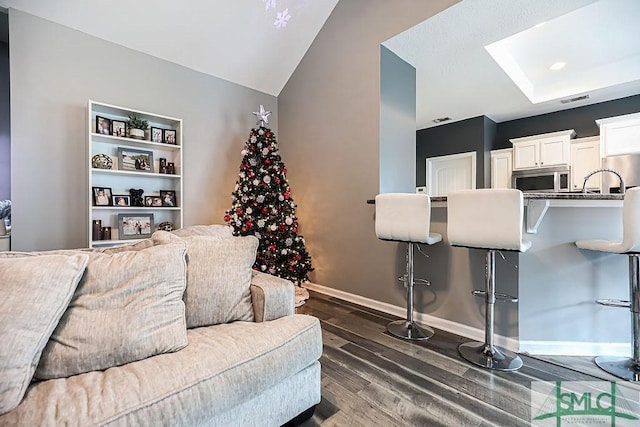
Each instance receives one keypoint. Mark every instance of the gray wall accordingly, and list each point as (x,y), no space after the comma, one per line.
(55,71)
(397,121)
(330,134)
(5,118)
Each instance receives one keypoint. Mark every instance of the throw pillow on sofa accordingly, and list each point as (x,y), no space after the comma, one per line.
(127,307)
(218,278)
(34,294)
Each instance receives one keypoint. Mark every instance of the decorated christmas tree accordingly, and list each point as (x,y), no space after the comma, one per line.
(262,206)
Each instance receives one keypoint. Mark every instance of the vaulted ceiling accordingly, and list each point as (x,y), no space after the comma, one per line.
(255,43)
(259,43)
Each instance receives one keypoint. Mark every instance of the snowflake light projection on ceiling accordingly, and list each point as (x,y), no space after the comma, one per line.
(282,17)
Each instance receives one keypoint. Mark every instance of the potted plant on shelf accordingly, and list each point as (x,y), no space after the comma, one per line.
(137,126)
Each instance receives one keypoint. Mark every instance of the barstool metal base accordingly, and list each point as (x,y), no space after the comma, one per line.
(409,330)
(621,367)
(490,357)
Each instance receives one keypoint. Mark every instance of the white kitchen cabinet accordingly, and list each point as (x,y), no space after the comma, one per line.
(115,167)
(549,149)
(585,158)
(501,168)
(619,135)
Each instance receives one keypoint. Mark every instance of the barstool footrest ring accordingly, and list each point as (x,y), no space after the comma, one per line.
(614,303)
(506,298)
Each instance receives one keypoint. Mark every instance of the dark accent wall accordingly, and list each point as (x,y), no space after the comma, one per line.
(580,119)
(490,131)
(459,137)
(5,111)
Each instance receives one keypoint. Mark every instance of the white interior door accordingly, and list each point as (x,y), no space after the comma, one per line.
(450,173)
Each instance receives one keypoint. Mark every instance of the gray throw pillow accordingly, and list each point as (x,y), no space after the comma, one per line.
(127,307)
(219,274)
(34,295)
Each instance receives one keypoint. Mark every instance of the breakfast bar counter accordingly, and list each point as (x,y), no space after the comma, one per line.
(557,284)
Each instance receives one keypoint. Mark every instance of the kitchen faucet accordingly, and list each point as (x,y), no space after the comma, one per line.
(584,183)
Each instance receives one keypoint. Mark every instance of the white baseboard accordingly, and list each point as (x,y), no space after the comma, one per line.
(435,322)
(548,348)
(575,348)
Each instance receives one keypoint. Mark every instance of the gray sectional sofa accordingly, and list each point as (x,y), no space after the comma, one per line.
(176,330)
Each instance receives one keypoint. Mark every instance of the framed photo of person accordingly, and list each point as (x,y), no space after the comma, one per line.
(121,200)
(102,196)
(103,125)
(152,201)
(168,198)
(170,136)
(156,135)
(162,165)
(118,128)
(135,226)
(135,160)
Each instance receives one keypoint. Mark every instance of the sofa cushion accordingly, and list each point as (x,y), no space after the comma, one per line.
(218,278)
(215,230)
(34,294)
(222,367)
(128,306)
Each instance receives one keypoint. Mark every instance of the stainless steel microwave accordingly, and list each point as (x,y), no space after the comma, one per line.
(550,179)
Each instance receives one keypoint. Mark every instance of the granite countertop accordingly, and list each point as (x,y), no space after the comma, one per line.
(557,196)
(547,196)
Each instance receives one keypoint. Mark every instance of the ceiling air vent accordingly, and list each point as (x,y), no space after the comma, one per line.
(577,98)
(441,119)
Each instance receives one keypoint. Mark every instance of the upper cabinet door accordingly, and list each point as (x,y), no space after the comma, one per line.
(539,151)
(525,155)
(620,135)
(554,151)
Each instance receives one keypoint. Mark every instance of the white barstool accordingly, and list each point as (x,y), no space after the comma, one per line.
(624,367)
(406,217)
(488,219)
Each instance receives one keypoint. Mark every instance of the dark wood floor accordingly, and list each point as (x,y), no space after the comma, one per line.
(370,378)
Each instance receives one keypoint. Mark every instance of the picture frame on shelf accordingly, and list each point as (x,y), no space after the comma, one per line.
(103,125)
(168,198)
(135,225)
(121,200)
(171,168)
(118,128)
(102,196)
(152,201)
(169,136)
(162,165)
(135,160)
(157,135)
